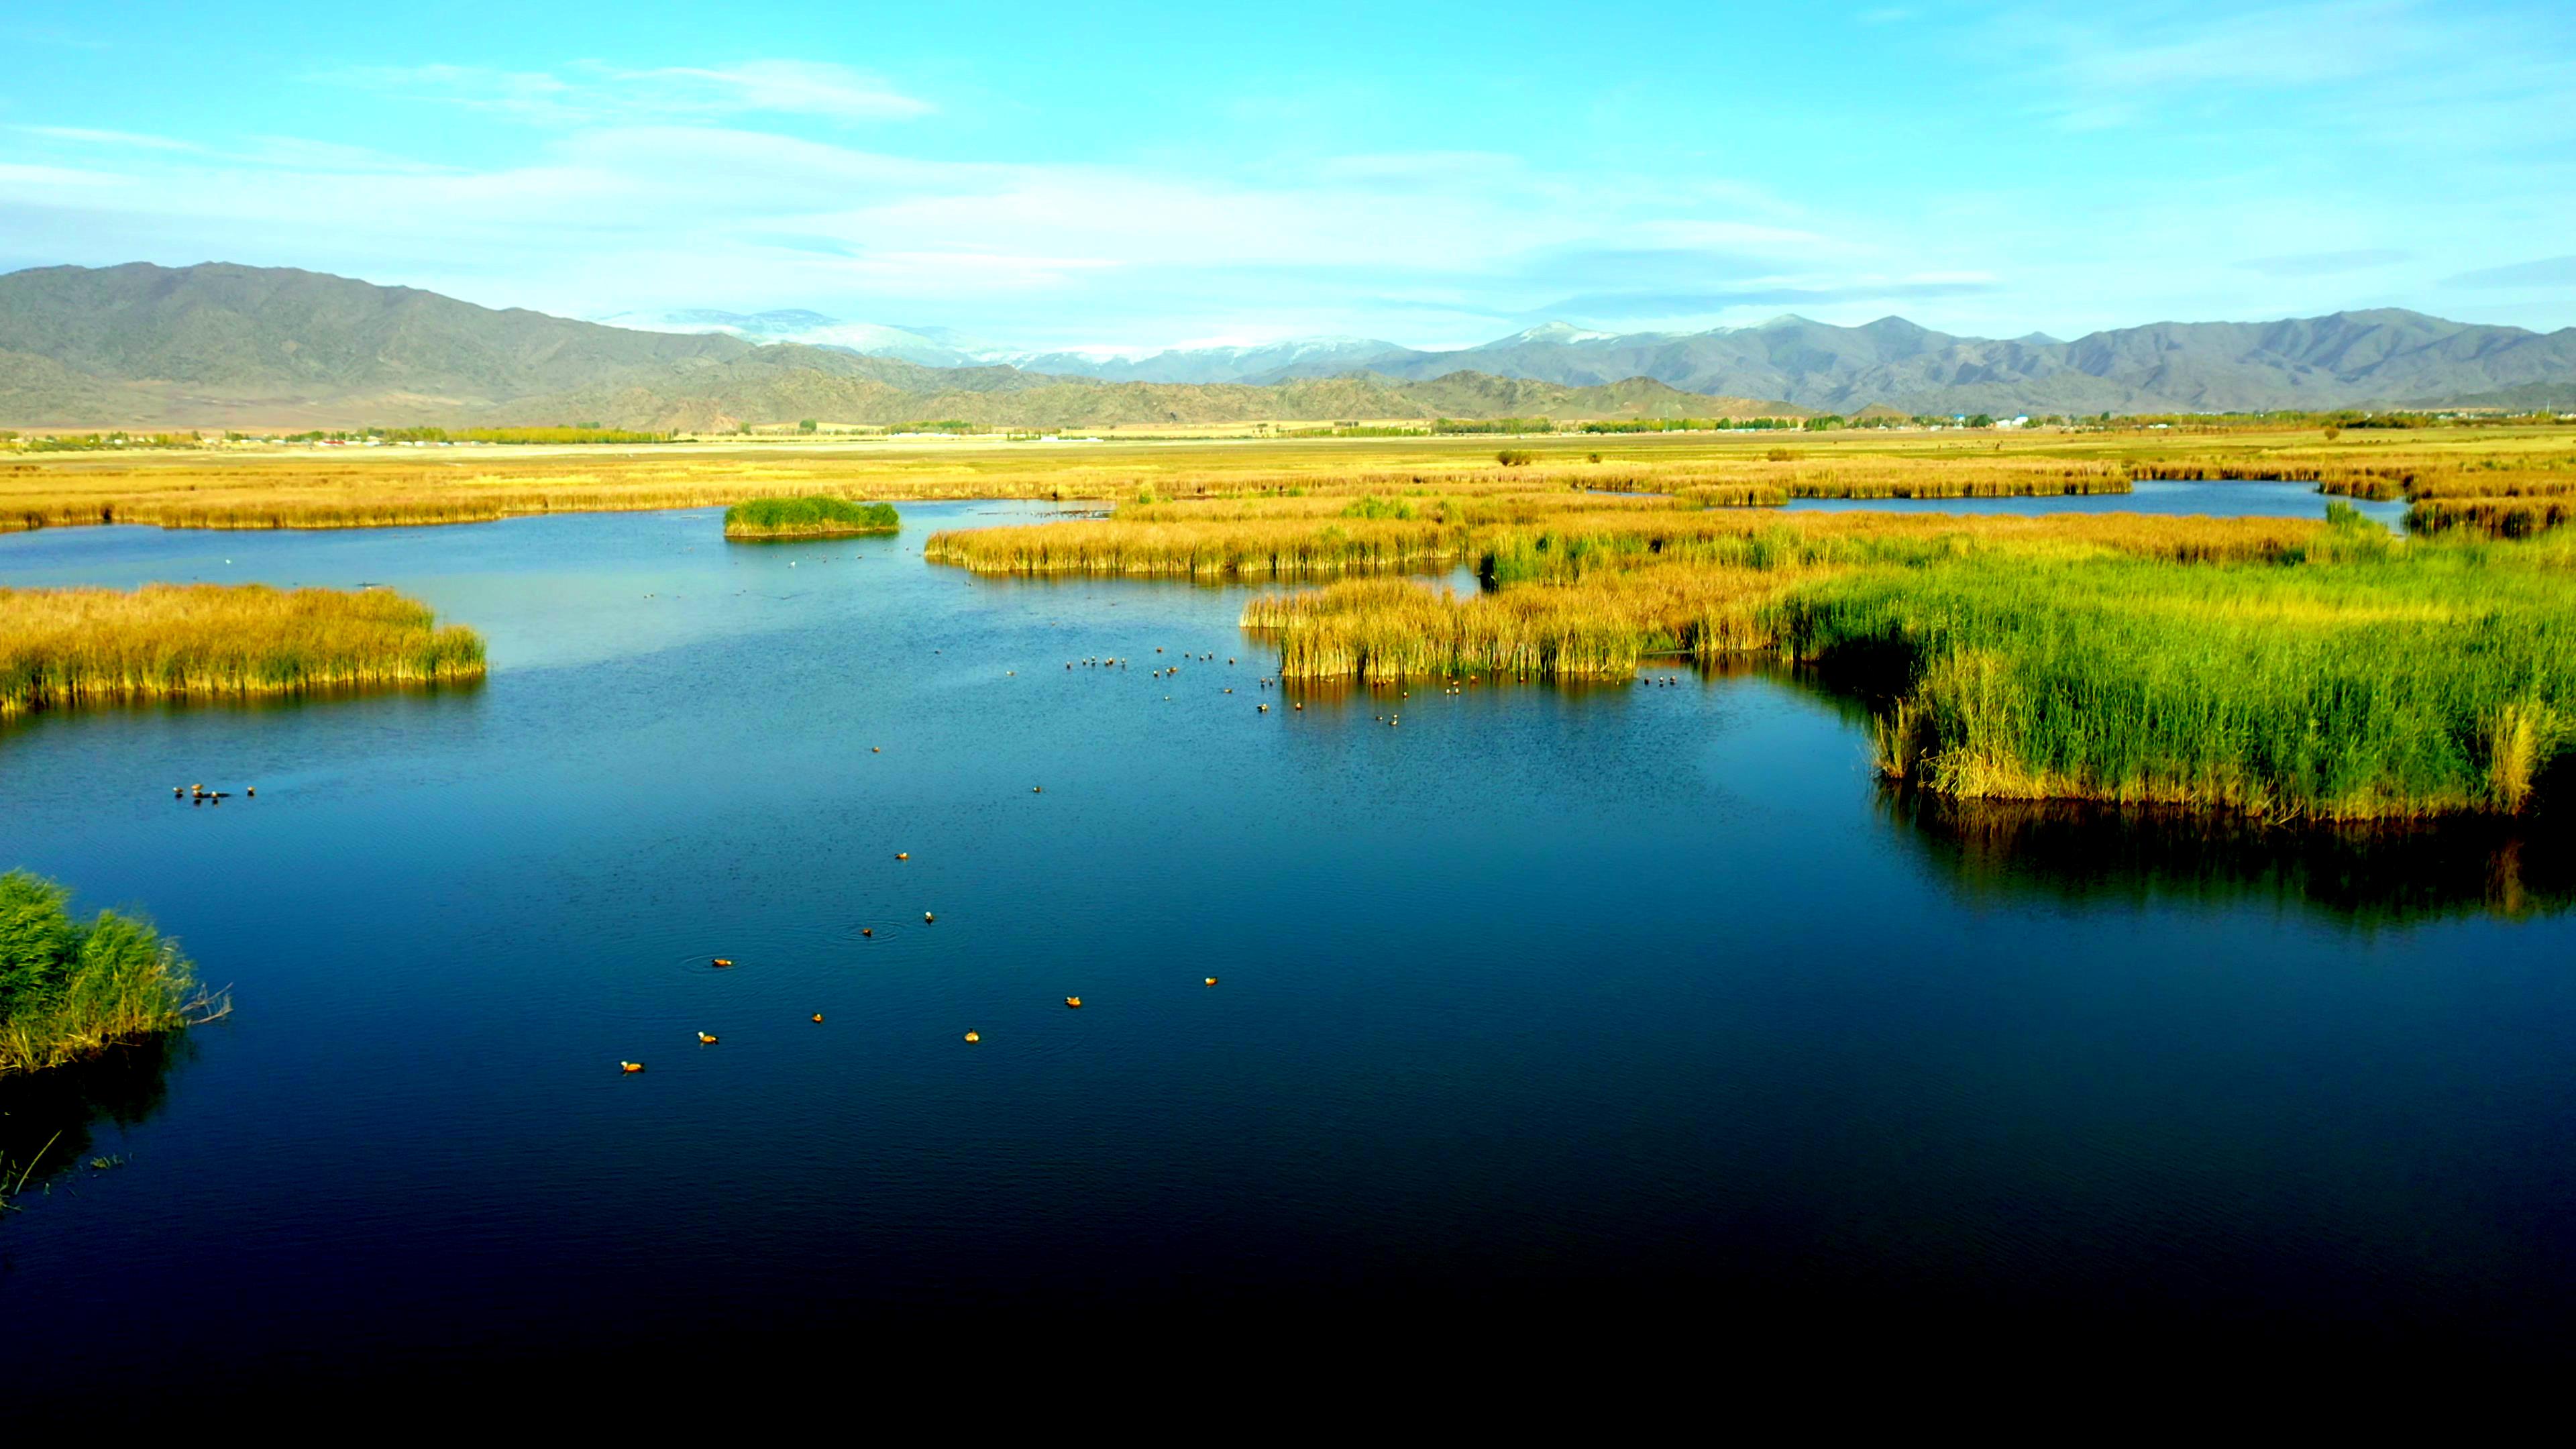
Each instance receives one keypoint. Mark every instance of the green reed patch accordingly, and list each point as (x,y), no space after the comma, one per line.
(2368,681)
(809,517)
(69,988)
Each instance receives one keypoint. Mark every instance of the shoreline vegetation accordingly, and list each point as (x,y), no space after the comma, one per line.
(759,519)
(70,988)
(2275,668)
(67,648)
(2491,478)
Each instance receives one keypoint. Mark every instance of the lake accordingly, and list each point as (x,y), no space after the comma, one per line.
(1546,1013)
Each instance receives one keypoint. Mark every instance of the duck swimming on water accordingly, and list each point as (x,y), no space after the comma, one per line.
(723,961)
(630,1066)
(705,1039)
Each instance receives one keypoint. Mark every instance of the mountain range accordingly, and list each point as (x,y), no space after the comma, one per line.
(2344,359)
(220,344)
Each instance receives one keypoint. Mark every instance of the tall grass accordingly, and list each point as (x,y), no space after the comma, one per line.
(2362,683)
(355,488)
(1387,629)
(69,988)
(2507,517)
(810,517)
(70,647)
(1244,548)
(2278,668)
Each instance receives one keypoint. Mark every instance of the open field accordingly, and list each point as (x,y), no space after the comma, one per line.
(233,487)
(62,648)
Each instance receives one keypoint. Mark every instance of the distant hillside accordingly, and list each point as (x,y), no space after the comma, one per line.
(778,384)
(2341,360)
(216,345)
(213,345)
(143,344)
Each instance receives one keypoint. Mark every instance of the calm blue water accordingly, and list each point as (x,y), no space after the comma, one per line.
(2230,498)
(1543,1013)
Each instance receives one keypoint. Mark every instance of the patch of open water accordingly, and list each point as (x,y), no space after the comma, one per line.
(1543,1010)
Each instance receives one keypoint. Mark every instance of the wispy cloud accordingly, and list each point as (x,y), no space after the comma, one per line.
(591,92)
(2325,264)
(2547,272)
(1609,308)
(83,135)
(286,152)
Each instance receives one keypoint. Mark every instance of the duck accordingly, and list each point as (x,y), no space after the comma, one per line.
(1263,708)
(927,918)
(1211,981)
(818,1016)
(178,792)
(974,1036)
(723,961)
(876,749)
(630,1066)
(1037,789)
(251,791)
(1073,1001)
(903,855)
(867,930)
(706,1039)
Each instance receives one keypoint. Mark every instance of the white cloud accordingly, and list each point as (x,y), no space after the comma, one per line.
(592,92)
(86,136)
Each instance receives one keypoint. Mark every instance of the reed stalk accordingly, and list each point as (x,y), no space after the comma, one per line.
(64,648)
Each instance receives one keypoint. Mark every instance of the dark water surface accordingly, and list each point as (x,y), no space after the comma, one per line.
(1545,1012)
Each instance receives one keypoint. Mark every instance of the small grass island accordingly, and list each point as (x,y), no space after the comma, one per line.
(762,519)
(63,648)
(71,988)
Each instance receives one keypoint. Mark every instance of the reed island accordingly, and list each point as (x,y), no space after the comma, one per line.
(2277,668)
(768,519)
(65,648)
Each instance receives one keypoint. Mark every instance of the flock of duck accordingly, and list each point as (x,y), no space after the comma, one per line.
(927,918)
(721,963)
(200,795)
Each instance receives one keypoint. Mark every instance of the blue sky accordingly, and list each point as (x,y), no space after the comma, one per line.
(1139,176)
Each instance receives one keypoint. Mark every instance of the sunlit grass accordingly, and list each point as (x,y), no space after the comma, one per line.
(811,517)
(67,647)
(69,988)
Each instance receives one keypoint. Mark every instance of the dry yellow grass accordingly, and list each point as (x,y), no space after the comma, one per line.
(68,647)
(230,488)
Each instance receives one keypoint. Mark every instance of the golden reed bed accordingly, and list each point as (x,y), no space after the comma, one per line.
(64,648)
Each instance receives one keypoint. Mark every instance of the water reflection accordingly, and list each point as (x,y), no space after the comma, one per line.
(2364,877)
(47,1118)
